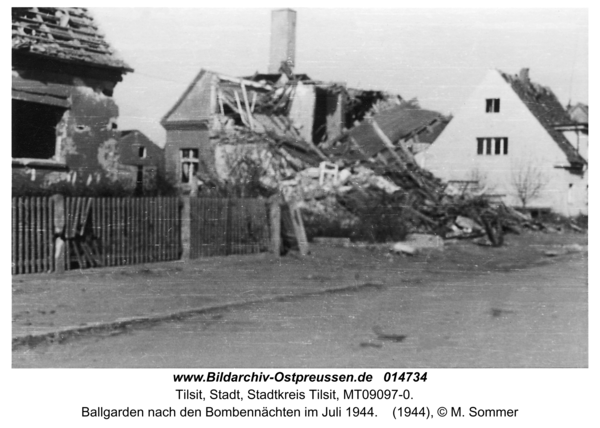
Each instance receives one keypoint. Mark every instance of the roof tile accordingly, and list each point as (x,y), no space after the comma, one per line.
(66,33)
(546,108)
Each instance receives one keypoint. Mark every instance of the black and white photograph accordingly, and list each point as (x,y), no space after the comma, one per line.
(299,187)
(304,200)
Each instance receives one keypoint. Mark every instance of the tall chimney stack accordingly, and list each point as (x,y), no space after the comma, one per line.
(283,39)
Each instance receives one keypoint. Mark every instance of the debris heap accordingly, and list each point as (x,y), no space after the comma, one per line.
(360,171)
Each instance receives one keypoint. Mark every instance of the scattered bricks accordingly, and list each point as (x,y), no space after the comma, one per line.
(420,241)
(402,248)
(467,224)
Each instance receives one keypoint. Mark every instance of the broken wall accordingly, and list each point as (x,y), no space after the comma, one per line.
(85,155)
(329,114)
(302,110)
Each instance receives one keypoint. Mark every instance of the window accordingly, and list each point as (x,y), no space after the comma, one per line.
(142,152)
(492,105)
(189,164)
(34,129)
(498,144)
(492,146)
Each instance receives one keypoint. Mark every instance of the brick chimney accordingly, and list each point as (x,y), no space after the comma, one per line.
(283,39)
(524,75)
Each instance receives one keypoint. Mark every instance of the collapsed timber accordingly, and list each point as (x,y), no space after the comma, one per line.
(361,180)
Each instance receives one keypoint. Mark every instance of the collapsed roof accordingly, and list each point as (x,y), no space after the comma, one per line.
(268,104)
(393,125)
(545,107)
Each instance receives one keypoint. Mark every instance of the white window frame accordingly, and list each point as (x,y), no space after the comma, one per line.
(188,159)
(489,146)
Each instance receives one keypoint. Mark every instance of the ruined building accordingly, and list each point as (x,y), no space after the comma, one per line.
(63,115)
(306,112)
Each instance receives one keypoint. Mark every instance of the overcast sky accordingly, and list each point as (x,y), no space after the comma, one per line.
(436,55)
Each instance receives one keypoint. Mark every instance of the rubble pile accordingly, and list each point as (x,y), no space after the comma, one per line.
(365,171)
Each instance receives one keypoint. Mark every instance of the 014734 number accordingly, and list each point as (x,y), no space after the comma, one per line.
(405,377)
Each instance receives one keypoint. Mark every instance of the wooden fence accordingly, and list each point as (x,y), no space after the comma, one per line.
(32,235)
(228,226)
(121,231)
(56,234)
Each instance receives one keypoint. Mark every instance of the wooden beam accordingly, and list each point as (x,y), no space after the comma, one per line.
(240,109)
(358,147)
(246,82)
(220,98)
(247,104)
(388,144)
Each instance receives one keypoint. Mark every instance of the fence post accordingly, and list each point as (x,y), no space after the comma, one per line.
(275,226)
(299,229)
(59,225)
(186,231)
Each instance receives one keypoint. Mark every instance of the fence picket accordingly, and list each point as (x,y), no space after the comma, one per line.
(51,247)
(44,236)
(14,236)
(133,230)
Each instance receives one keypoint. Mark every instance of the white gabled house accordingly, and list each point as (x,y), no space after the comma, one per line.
(516,140)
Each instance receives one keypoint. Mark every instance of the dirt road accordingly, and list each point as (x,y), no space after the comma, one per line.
(518,311)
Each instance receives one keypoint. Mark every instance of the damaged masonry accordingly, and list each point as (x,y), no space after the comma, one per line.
(344,156)
(293,216)
(64,74)
(331,151)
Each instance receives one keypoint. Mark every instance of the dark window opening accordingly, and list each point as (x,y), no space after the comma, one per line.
(326,105)
(142,152)
(492,105)
(498,148)
(34,129)
(488,146)
(480,146)
(505,146)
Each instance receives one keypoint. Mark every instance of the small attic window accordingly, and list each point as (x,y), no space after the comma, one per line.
(492,105)
(142,152)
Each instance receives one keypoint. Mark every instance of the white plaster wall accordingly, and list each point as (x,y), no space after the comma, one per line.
(453,156)
(302,111)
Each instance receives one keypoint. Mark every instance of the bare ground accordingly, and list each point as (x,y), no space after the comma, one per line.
(468,306)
